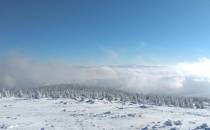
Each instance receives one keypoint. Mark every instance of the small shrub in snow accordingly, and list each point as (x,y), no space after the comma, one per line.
(131,115)
(90,101)
(143,106)
(145,128)
(154,127)
(173,128)
(3,126)
(203,126)
(168,123)
(64,110)
(108,112)
(123,116)
(178,122)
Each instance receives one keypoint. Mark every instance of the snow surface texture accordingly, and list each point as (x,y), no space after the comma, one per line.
(69,114)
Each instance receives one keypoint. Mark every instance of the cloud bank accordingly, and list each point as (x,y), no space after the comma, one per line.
(187,79)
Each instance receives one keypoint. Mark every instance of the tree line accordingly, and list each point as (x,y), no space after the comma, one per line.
(80,92)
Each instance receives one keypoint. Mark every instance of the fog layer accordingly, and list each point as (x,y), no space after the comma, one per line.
(190,79)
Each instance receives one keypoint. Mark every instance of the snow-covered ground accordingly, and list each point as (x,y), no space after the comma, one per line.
(68,114)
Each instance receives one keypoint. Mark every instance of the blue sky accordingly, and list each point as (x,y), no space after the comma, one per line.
(106,31)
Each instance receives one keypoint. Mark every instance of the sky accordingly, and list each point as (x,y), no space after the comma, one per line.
(146,45)
(106,32)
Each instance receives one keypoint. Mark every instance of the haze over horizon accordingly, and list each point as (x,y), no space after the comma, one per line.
(52,42)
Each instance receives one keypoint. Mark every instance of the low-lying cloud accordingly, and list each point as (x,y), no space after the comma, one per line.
(190,79)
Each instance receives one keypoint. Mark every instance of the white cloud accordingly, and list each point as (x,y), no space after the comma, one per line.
(183,78)
(199,69)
